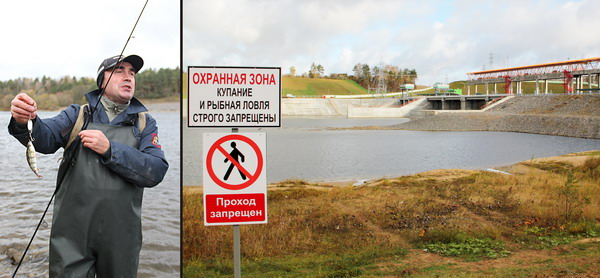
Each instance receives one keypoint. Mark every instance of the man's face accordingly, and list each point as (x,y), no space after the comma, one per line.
(122,84)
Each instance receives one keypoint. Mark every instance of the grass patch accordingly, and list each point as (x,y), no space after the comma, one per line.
(593,153)
(537,237)
(470,249)
(591,168)
(455,243)
(301,86)
(316,265)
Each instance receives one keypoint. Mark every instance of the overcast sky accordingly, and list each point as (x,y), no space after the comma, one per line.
(440,39)
(71,37)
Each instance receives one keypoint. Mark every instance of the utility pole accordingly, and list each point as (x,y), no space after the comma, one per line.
(381,86)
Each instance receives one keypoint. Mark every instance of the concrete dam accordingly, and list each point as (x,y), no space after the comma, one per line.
(387,107)
(352,108)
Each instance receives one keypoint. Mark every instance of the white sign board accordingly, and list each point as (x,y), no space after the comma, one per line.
(234,178)
(234,97)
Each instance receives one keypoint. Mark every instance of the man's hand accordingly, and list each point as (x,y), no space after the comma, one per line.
(23,108)
(94,140)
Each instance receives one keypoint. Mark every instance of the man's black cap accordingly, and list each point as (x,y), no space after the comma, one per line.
(135,60)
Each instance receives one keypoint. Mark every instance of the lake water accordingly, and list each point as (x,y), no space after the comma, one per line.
(306,148)
(24,198)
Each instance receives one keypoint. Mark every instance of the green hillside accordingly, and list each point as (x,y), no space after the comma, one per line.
(300,86)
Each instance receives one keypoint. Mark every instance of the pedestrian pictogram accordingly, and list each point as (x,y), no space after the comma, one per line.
(233,156)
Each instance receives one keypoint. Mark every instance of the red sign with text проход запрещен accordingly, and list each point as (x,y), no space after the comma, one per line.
(226,208)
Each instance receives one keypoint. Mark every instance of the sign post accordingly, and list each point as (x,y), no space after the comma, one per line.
(234,165)
(237,246)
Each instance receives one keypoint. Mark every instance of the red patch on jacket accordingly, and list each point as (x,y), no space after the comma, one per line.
(155,140)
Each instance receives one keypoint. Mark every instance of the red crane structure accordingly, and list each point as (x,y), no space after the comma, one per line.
(588,69)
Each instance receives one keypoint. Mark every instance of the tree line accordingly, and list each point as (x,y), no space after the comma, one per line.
(55,93)
(367,76)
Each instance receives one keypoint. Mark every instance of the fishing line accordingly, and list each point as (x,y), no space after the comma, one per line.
(33,236)
(87,120)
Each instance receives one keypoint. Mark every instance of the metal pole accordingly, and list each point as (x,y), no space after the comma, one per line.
(237,269)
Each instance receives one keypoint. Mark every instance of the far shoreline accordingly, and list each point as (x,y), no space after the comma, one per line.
(153,105)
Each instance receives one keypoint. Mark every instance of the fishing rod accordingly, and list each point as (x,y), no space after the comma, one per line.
(91,111)
(86,122)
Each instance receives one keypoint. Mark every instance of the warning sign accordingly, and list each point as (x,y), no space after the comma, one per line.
(234,97)
(234,178)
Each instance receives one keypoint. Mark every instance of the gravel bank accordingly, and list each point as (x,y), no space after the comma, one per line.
(559,115)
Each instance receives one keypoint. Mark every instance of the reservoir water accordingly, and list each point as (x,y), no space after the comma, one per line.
(24,197)
(309,149)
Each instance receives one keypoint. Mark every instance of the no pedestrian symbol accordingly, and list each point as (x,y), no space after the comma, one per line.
(234,161)
(234,178)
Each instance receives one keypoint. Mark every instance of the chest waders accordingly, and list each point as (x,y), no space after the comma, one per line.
(96,227)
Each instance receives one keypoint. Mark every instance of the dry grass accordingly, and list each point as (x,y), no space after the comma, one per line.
(307,218)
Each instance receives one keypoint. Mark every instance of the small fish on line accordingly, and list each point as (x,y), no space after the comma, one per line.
(30,153)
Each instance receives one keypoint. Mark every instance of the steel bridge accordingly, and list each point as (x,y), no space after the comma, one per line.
(572,71)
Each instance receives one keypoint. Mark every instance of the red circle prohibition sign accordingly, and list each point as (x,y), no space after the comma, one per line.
(217,146)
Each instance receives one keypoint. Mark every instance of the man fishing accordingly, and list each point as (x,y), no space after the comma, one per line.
(96,225)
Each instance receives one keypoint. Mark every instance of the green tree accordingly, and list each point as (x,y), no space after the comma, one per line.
(362,74)
(316,71)
(571,201)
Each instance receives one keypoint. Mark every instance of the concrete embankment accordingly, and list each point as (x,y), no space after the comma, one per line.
(352,108)
(559,115)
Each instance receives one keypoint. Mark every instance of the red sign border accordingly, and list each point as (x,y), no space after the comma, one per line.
(216,144)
